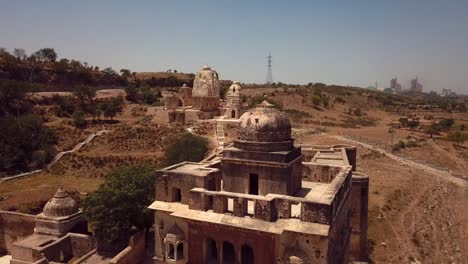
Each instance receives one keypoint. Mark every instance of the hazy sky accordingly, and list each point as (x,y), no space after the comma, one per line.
(341,42)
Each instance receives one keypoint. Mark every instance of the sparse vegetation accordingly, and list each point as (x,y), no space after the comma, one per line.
(296,115)
(187,147)
(254,101)
(457,137)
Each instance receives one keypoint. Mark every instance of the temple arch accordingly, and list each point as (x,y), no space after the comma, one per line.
(247,255)
(229,253)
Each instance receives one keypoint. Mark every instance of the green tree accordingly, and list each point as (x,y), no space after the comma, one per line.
(120,205)
(403,121)
(84,93)
(79,119)
(46,54)
(109,71)
(125,73)
(21,137)
(20,54)
(13,98)
(187,147)
(132,93)
(112,107)
(315,101)
(433,129)
(446,123)
(457,136)
(413,123)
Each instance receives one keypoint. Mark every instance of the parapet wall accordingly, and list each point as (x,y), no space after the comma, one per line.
(318,172)
(134,253)
(359,216)
(14,226)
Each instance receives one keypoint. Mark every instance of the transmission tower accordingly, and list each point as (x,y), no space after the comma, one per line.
(269,78)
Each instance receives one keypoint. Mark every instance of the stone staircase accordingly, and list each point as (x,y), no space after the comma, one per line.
(220,136)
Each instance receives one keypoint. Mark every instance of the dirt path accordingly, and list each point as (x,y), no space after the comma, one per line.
(438,173)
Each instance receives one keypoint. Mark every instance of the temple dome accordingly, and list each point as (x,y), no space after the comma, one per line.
(60,205)
(234,89)
(206,83)
(264,124)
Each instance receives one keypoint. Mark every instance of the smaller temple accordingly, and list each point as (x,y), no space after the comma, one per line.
(191,104)
(201,102)
(60,234)
(234,107)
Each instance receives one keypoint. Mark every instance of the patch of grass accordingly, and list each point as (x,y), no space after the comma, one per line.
(29,194)
(356,122)
(297,115)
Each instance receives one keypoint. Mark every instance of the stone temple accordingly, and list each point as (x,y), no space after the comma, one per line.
(265,200)
(60,234)
(202,102)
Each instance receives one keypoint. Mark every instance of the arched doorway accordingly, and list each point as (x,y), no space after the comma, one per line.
(229,254)
(180,251)
(181,103)
(170,252)
(211,252)
(247,255)
(233,114)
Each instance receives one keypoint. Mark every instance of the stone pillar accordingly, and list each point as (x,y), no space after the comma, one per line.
(198,201)
(316,213)
(240,207)
(219,248)
(237,249)
(265,210)
(220,204)
(359,216)
(283,208)
(159,252)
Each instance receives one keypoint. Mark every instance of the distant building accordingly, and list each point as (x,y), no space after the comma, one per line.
(395,85)
(416,87)
(448,93)
(201,102)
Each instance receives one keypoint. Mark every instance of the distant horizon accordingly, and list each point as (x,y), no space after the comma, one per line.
(333,42)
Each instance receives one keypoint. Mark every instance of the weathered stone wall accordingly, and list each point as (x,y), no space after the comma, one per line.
(166,183)
(81,244)
(309,248)
(319,173)
(359,216)
(208,103)
(263,244)
(163,223)
(134,253)
(340,229)
(272,178)
(14,226)
(351,154)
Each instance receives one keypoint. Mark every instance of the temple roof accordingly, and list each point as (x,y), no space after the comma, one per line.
(60,205)
(264,124)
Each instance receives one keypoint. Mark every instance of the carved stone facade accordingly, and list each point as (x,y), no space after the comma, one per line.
(264,201)
(206,83)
